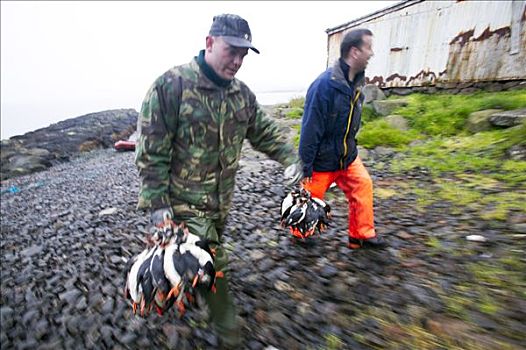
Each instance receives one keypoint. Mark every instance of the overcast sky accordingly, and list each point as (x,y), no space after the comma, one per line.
(60,60)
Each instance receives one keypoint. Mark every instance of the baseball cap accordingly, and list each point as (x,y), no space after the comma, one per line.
(234,30)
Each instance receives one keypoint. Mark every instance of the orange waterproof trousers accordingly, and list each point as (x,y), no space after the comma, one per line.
(357,185)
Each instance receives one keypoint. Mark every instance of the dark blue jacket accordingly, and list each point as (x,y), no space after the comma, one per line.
(328,132)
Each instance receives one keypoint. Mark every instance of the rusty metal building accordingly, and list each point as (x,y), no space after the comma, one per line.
(442,43)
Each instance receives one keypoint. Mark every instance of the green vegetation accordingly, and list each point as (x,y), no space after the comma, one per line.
(444,333)
(437,115)
(368,114)
(296,138)
(380,133)
(433,242)
(295,113)
(445,114)
(470,170)
(297,102)
(296,106)
(488,288)
(333,342)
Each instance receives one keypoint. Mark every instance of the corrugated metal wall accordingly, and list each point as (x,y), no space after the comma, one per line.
(419,43)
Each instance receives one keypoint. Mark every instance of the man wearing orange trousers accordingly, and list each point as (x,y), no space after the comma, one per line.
(328,149)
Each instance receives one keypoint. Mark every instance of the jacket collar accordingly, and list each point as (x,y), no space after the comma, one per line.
(339,81)
(204,82)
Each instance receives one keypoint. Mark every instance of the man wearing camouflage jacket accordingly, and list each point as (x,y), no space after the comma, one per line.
(192,125)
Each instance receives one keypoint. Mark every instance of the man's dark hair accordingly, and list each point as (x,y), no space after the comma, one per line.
(354,38)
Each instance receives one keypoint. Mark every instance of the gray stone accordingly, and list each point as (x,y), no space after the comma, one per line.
(70,296)
(510,84)
(172,336)
(115,259)
(363,153)
(107,308)
(6,316)
(106,331)
(41,329)
(397,122)
(31,251)
(517,152)
(401,91)
(278,318)
(82,303)
(494,87)
(469,91)
(382,151)
(128,338)
(386,107)
(480,120)
(508,118)
(29,317)
(283,286)
(519,228)
(328,271)
(108,211)
(25,164)
(416,143)
(52,344)
(372,93)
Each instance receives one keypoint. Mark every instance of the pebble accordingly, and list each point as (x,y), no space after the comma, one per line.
(31,251)
(476,238)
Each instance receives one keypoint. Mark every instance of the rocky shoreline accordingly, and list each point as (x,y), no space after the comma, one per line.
(38,150)
(69,229)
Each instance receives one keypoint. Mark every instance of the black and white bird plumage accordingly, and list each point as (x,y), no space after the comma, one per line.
(304,214)
(139,287)
(170,272)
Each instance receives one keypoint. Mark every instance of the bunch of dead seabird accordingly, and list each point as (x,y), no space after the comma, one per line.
(303,214)
(170,271)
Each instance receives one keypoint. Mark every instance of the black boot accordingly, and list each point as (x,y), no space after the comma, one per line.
(374,242)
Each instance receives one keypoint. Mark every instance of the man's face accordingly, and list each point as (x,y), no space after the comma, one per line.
(362,55)
(224,59)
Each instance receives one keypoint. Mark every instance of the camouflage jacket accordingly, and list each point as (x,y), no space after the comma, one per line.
(191,135)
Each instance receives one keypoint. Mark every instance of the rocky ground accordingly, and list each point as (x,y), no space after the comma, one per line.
(68,230)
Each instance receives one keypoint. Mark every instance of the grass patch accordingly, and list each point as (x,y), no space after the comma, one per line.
(433,242)
(489,288)
(478,174)
(502,203)
(368,114)
(384,193)
(446,155)
(333,342)
(446,114)
(456,194)
(457,306)
(493,275)
(296,138)
(380,133)
(297,102)
(294,113)
(512,172)
(487,305)
(424,197)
